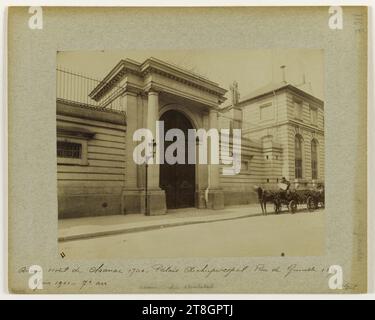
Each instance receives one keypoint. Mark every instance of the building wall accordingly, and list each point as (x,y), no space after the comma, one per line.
(254,119)
(308,130)
(93,188)
(260,165)
(306,118)
(238,189)
(273,134)
(281,129)
(307,136)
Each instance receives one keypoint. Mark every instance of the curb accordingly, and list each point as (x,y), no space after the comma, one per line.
(146,228)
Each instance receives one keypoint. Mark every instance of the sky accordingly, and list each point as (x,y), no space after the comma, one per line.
(251,69)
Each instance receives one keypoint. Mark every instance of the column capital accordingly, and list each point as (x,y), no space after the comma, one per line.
(152,87)
(213,110)
(131,88)
(213,116)
(153,92)
(130,94)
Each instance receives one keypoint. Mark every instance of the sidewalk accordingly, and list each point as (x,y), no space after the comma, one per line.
(85,228)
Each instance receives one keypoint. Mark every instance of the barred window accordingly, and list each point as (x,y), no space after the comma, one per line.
(314,160)
(69,150)
(298,157)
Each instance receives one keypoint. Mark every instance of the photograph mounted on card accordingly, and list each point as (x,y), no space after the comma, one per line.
(204,150)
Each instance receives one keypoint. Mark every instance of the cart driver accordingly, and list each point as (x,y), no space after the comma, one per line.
(286,183)
(284,186)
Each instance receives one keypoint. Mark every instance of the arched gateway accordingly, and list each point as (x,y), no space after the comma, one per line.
(178,180)
(146,90)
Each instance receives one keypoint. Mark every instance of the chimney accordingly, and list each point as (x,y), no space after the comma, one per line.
(283,72)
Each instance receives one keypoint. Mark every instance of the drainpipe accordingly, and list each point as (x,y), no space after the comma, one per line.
(208,187)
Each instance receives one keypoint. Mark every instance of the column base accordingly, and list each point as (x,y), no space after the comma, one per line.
(215,199)
(200,199)
(133,201)
(156,202)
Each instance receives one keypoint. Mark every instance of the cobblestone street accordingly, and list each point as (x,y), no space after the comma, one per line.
(301,234)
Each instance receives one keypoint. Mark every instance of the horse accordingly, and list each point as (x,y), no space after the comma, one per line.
(264,196)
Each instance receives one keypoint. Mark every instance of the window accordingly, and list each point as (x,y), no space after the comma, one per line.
(69,150)
(266,112)
(72,151)
(314,160)
(298,110)
(314,116)
(298,157)
(245,166)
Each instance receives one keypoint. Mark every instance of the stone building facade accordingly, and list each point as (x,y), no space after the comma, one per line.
(289,123)
(97,174)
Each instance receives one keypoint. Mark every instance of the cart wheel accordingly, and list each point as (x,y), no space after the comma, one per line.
(292,206)
(316,204)
(311,205)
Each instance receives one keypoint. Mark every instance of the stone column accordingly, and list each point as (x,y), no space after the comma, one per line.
(131,194)
(215,193)
(156,196)
(214,169)
(202,172)
(152,117)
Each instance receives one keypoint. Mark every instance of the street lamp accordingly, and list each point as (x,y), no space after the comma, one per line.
(148,157)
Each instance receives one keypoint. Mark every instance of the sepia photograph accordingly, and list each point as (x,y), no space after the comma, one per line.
(192,150)
(194,153)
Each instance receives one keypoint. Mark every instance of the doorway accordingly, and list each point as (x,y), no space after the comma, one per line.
(177,180)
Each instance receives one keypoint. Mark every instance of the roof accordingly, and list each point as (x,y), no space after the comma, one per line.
(273,87)
(158,66)
(264,90)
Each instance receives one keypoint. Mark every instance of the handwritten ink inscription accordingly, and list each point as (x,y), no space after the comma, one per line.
(195,277)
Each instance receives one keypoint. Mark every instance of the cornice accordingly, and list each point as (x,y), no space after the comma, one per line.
(78,132)
(287,122)
(160,89)
(155,66)
(306,126)
(287,87)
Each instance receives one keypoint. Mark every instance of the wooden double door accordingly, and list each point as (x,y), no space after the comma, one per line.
(178,180)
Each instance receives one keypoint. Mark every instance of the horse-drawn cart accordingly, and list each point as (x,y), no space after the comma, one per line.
(292,199)
(316,199)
